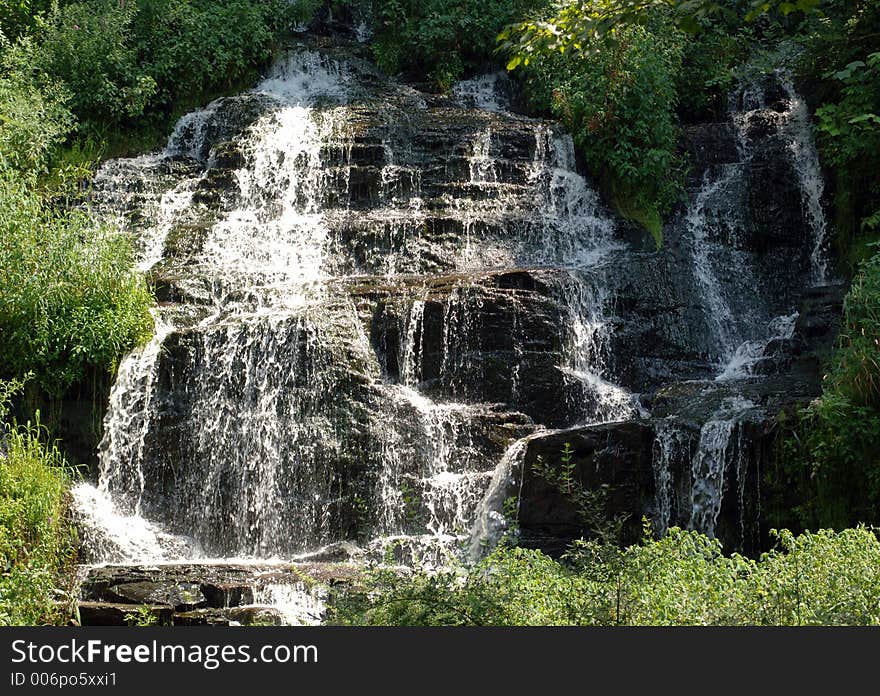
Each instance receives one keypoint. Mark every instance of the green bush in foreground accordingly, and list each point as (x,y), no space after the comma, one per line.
(684,579)
(70,298)
(37,542)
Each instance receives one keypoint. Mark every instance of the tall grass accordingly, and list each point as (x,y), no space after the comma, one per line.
(70,297)
(37,538)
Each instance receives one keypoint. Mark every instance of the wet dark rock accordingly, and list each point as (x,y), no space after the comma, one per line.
(707,146)
(119,614)
(616,455)
(182,596)
(236,616)
(227,594)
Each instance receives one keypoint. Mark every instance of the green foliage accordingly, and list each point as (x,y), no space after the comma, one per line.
(121,59)
(709,60)
(142,616)
(34,114)
(582,25)
(618,99)
(17,17)
(70,299)
(836,440)
(89,46)
(440,39)
(190,47)
(37,541)
(684,579)
(849,133)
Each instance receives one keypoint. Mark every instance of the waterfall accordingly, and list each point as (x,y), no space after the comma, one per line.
(705,458)
(483,92)
(374,302)
(672,444)
(491,522)
(716,224)
(262,420)
(750,354)
(799,135)
(708,469)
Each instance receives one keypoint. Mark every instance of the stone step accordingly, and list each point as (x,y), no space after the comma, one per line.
(121,614)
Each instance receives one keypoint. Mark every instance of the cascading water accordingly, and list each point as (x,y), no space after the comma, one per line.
(748,331)
(717,222)
(376,301)
(239,425)
(799,136)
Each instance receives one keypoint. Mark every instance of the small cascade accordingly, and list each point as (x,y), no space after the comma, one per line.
(412,345)
(695,465)
(492,522)
(672,444)
(712,205)
(799,135)
(115,537)
(130,417)
(487,92)
(297,603)
(749,356)
(572,228)
(719,227)
(586,353)
(708,469)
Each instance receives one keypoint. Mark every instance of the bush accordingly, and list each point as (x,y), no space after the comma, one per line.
(836,444)
(618,98)
(34,111)
(684,579)
(190,47)
(439,39)
(70,299)
(89,45)
(121,59)
(37,539)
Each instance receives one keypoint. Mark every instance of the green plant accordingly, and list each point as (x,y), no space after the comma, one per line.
(70,298)
(37,539)
(439,39)
(34,115)
(89,46)
(826,578)
(142,616)
(832,450)
(618,98)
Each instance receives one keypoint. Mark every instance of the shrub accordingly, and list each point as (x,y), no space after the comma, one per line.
(122,59)
(684,579)
(836,440)
(439,39)
(37,540)
(89,45)
(70,298)
(34,111)
(190,47)
(618,99)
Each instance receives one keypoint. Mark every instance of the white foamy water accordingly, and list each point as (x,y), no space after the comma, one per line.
(116,537)
(749,355)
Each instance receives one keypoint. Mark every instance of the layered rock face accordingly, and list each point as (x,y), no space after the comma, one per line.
(378,304)
(723,334)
